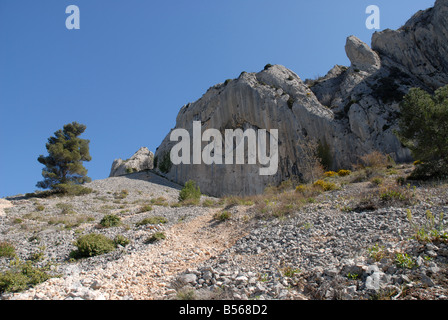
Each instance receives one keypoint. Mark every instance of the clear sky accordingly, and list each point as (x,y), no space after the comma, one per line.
(134,63)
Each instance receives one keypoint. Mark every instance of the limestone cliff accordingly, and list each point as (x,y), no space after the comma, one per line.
(352,109)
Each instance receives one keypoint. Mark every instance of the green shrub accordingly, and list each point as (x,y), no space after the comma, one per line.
(21,277)
(423,129)
(121,195)
(145,208)
(376,252)
(7,250)
(429,231)
(266,67)
(109,221)
(71,189)
(403,260)
(190,192)
(121,240)
(222,216)
(92,245)
(152,220)
(158,236)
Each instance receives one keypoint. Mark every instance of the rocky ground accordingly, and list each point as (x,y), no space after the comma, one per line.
(347,243)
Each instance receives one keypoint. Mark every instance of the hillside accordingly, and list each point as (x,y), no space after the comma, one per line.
(353,242)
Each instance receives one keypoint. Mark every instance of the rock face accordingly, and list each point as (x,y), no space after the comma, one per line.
(143,159)
(420,47)
(352,110)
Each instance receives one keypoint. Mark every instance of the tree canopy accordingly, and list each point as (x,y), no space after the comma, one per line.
(66,152)
(424,130)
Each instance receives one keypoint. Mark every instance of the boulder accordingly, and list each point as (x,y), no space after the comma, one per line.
(361,56)
(142,160)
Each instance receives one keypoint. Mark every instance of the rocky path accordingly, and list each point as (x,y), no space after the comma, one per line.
(146,275)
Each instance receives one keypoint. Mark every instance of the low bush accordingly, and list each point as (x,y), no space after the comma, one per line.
(7,250)
(120,240)
(190,192)
(21,277)
(70,189)
(158,236)
(121,195)
(110,221)
(222,216)
(344,173)
(330,174)
(152,220)
(92,245)
(325,185)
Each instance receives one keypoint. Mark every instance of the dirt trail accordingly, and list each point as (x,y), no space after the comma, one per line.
(146,274)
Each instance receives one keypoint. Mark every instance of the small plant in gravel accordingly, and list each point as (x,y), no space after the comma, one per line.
(92,245)
(145,208)
(152,220)
(403,260)
(353,276)
(110,221)
(121,240)
(66,208)
(121,195)
(160,201)
(289,271)
(158,236)
(7,250)
(376,252)
(430,231)
(209,203)
(222,216)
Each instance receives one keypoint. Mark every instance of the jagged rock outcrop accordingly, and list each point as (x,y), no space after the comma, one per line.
(143,159)
(353,110)
(420,47)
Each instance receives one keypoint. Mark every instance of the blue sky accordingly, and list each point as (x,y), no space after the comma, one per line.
(134,63)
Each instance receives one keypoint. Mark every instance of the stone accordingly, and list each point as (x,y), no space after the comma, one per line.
(142,160)
(361,56)
(188,278)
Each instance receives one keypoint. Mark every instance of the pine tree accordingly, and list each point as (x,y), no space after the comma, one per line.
(424,130)
(64,171)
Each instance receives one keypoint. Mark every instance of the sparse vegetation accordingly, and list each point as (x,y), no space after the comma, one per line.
(92,245)
(190,193)
(423,130)
(158,236)
(222,215)
(429,231)
(21,276)
(110,221)
(152,220)
(7,250)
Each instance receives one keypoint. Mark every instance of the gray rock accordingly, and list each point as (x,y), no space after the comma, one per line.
(361,56)
(188,278)
(142,160)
